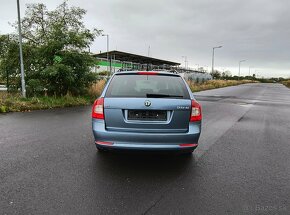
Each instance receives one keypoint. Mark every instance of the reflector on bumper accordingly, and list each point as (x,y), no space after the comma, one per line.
(104,143)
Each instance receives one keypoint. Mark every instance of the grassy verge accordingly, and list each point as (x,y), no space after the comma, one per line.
(213,84)
(14,103)
(286,83)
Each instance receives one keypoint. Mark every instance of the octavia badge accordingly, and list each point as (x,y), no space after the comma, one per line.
(147,103)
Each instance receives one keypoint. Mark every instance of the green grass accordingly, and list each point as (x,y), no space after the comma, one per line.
(14,103)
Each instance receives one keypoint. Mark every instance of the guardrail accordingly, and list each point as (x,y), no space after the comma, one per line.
(3,88)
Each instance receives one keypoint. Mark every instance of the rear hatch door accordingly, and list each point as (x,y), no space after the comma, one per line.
(134,114)
(147,103)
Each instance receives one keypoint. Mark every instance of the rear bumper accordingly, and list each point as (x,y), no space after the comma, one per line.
(146,141)
(155,148)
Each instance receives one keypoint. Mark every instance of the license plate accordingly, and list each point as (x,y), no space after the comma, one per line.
(147,115)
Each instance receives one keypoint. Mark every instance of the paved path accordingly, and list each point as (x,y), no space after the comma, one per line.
(49,165)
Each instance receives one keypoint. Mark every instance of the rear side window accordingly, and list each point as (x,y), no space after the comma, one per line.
(147,86)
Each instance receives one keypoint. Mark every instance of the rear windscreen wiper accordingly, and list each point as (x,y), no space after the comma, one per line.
(162,96)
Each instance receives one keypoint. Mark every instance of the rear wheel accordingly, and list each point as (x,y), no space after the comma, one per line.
(101,150)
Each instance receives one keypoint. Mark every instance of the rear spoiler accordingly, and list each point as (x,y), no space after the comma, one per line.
(165,73)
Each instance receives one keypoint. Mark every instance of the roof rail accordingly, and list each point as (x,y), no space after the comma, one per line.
(157,70)
(125,69)
(173,71)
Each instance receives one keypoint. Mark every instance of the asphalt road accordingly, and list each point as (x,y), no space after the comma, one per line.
(49,165)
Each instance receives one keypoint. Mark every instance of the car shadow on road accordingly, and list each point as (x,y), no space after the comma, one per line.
(144,165)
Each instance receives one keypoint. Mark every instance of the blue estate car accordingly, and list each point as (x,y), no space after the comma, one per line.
(146,111)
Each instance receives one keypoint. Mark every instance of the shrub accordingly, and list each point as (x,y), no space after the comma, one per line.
(286,83)
(97,88)
(3,109)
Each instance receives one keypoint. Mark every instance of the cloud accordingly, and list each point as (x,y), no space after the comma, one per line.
(256,30)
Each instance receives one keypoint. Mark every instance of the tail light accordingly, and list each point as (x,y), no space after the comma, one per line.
(98,109)
(195,112)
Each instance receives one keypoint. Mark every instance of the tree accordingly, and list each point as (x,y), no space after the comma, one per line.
(226,74)
(9,60)
(216,74)
(55,45)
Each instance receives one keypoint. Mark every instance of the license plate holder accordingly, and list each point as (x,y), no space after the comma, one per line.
(147,115)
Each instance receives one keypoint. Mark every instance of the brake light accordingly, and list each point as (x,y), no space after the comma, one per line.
(147,73)
(98,109)
(195,112)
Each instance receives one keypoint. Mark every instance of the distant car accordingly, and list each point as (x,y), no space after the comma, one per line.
(146,111)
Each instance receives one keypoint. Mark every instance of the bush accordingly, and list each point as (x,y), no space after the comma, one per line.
(3,109)
(286,83)
(96,89)
(34,87)
(104,73)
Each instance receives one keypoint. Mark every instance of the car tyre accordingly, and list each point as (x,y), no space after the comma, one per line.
(101,150)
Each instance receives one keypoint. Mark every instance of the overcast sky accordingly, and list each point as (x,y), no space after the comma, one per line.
(255,30)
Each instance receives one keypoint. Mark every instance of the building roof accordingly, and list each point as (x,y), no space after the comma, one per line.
(134,58)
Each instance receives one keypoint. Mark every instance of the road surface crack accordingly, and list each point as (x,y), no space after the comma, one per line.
(154,204)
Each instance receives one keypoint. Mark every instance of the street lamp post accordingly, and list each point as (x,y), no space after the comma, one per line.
(108,41)
(240,67)
(20,52)
(148,51)
(256,74)
(250,67)
(185,61)
(212,67)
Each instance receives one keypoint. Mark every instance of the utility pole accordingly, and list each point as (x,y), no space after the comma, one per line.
(149,51)
(256,73)
(240,67)
(108,63)
(20,52)
(250,70)
(7,72)
(185,62)
(212,65)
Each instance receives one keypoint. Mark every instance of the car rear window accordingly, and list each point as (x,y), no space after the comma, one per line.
(147,86)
